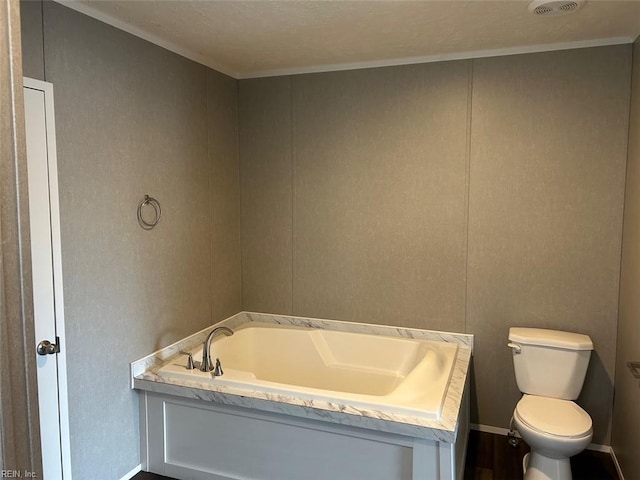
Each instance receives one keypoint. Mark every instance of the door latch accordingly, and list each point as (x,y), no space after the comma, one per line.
(45,347)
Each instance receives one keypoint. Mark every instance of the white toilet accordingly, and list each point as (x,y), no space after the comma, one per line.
(550,368)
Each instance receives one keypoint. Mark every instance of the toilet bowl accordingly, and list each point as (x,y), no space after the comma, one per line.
(555,430)
(550,368)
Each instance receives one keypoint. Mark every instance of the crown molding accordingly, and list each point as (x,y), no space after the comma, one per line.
(498,52)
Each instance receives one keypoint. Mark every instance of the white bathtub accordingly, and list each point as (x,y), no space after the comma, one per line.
(393,374)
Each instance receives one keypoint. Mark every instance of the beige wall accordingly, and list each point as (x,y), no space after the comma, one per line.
(626,410)
(379,194)
(548,155)
(266,189)
(134,119)
(33,53)
(224,195)
(464,196)
(19,433)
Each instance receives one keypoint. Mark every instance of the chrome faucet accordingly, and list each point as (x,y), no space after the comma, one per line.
(207,364)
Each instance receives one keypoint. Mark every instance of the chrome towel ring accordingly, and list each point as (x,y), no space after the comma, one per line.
(157,212)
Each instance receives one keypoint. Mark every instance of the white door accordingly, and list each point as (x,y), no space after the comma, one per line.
(48,345)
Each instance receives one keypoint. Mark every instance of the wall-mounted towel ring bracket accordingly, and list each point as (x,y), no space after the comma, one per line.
(157,212)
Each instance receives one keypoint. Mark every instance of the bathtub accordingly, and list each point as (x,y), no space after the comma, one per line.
(307,398)
(393,374)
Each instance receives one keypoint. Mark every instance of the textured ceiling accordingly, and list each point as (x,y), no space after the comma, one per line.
(257,38)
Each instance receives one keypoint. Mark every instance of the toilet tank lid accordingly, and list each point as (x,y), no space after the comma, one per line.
(550,338)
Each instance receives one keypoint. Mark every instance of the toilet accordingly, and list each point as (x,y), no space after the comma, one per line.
(550,367)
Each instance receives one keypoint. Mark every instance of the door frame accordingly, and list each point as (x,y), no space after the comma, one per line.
(56,251)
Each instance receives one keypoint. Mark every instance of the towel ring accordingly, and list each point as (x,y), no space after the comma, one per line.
(157,212)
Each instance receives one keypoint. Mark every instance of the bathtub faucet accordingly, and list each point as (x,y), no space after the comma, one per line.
(207,364)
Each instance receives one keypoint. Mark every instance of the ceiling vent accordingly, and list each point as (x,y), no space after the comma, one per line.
(553,8)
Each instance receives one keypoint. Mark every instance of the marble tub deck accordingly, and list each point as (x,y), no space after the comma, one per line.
(144,377)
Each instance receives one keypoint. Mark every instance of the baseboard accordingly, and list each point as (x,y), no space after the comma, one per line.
(131,474)
(596,447)
(503,431)
(615,462)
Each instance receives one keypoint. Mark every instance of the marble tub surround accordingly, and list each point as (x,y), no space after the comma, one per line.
(343,326)
(159,357)
(165,354)
(444,428)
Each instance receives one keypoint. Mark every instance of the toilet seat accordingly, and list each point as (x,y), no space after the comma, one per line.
(553,416)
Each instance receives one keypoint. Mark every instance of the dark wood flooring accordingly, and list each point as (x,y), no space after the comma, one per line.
(490,457)
(149,476)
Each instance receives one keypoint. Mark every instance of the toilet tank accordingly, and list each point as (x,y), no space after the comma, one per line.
(549,363)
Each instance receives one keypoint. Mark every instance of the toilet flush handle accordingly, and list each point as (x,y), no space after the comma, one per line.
(516,348)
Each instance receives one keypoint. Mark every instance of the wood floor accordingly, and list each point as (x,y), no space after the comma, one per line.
(490,457)
(149,476)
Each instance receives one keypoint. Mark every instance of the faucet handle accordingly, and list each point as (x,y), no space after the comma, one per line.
(217,371)
(190,365)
